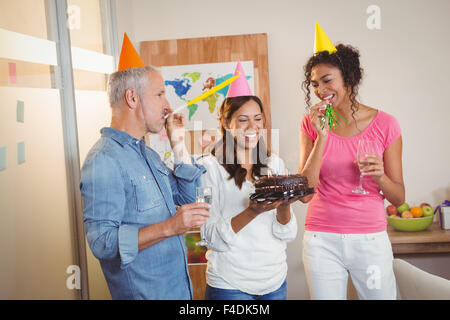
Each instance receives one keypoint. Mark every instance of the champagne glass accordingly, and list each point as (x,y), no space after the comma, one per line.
(365,147)
(203,194)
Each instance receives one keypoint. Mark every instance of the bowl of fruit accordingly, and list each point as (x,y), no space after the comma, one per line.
(406,218)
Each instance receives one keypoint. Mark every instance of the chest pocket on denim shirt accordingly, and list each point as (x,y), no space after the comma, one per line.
(164,173)
(146,193)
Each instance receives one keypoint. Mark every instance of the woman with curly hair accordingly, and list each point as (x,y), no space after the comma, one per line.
(345,232)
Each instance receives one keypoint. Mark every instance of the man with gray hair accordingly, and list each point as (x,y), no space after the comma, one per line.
(129,195)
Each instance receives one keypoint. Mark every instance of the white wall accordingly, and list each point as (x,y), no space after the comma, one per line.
(406,75)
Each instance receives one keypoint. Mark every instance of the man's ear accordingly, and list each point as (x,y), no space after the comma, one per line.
(131,98)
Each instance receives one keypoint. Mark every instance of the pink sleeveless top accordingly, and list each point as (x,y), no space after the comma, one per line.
(334,207)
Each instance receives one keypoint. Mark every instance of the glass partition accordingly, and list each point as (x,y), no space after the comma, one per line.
(39,244)
(88,25)
(37,237)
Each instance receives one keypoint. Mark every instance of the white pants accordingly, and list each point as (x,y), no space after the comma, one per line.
(329,257)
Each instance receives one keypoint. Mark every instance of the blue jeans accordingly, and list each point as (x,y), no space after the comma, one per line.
(227,294)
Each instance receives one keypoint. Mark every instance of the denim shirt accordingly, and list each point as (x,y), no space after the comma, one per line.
(125,186)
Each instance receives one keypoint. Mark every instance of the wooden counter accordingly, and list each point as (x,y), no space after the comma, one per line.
(432,240)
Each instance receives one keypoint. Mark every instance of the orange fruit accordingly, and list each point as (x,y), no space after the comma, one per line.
(417,212)
(407,215)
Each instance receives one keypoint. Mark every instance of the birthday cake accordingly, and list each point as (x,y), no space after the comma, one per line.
(281,186)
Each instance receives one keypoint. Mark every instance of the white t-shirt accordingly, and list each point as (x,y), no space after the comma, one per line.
(254,259)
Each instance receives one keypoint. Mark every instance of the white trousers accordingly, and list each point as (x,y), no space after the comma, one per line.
(329,258)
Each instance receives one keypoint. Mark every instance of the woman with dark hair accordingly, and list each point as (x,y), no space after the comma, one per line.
(246,239)
(345,231)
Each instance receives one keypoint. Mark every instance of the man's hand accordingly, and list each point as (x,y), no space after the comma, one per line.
(189,216)
(175,128)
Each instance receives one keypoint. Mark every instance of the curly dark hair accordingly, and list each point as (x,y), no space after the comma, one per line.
(225,149)
(346,59)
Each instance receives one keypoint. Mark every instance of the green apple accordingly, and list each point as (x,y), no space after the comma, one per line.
(427,211)
(404,207)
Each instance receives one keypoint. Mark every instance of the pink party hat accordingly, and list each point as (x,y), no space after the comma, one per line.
(239,87)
